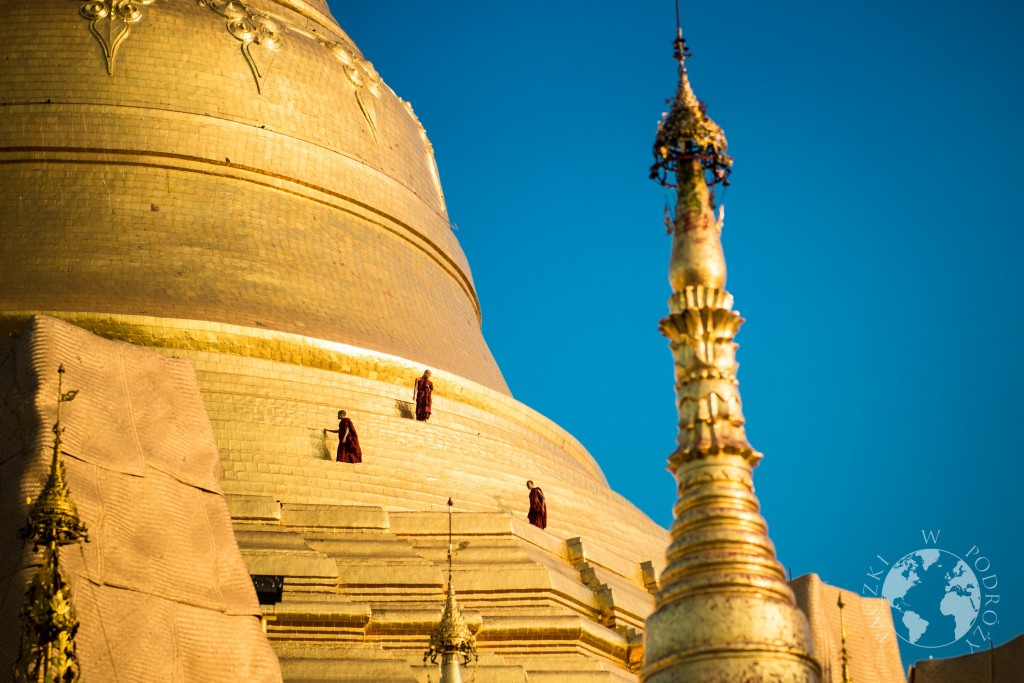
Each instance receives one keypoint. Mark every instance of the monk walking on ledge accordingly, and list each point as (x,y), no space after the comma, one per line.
(348,442)
(422,389)
(538,508)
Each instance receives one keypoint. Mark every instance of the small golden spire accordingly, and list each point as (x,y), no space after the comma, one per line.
(451,639)
(48,622)
(842,632)
(54,517)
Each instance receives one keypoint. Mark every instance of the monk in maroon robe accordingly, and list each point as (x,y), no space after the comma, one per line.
(421,392)
(538,508)
(348,441)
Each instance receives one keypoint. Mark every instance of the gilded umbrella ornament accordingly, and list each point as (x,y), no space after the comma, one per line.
(451,640)
(46,652)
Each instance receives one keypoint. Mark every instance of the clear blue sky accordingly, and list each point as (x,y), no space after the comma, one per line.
(873,236)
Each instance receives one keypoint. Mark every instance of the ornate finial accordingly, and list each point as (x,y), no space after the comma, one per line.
(451,639)
(452,635)
(54,517)
(449,542)
(842,630)
(690,155)
(48,622)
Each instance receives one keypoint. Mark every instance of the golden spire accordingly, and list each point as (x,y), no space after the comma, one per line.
(842,635)
(724,611)
(46,652)
(451,639)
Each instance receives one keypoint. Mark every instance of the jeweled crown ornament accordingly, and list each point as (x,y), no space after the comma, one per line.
(451,640)
(724,613)
(46,652)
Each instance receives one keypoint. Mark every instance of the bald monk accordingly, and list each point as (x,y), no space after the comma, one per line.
(348,441)
(421,391)
(538,508)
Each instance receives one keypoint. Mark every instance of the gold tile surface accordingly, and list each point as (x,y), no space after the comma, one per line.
(871,642)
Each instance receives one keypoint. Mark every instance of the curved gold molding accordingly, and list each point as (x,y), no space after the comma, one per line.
(260,35)
(363,78)
(293,349)
(435,174)
(379,218)
(110,22)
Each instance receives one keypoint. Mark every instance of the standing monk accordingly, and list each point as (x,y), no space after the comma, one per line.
(348,442)
(421,394)
(538,508)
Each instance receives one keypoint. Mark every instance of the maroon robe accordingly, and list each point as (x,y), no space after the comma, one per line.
(538,508)
(348,447)
(424,387)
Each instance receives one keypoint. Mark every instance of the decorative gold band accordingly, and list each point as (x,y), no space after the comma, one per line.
(294,349)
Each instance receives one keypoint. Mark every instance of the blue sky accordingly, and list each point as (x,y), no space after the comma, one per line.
(873,237)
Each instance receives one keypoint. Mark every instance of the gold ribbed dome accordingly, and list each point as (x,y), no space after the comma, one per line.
(226,163)
(232,184)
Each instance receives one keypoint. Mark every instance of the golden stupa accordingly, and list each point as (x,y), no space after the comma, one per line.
(232,183)
(223,223)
